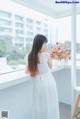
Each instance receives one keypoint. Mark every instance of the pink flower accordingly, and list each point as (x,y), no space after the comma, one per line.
(60,52)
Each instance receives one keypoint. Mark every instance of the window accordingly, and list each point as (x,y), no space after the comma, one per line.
(5,22)
(29,27)
(5,30)
(19,25)
(19,45)
(78,39)
(38,22)
(29,39)
(38,28)
(19,18)
(5,14)
(63,29)
(19,39)
(29,20)
(45,30)
(30,33)
(45,25)
(17,31)
(1,29)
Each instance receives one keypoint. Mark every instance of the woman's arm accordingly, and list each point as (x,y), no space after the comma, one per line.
(50,62)
(49,57)
(26,69)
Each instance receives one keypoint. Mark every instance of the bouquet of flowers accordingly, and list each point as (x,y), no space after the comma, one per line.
(60,52)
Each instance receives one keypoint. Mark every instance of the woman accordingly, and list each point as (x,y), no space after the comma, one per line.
(45,97)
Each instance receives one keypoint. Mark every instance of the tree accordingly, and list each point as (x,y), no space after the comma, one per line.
(5,43)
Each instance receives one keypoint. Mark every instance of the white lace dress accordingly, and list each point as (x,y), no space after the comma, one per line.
(45,97)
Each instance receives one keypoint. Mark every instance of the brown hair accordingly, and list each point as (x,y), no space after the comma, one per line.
(33,55)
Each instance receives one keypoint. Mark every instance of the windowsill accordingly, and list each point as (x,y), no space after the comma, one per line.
(18,76)
(68,64)
(13,78)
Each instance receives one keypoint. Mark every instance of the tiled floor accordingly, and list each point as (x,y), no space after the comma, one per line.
(65,111)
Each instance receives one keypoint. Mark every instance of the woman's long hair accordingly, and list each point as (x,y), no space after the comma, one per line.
(33,55)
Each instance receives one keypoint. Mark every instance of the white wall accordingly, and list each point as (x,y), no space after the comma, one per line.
(17,99)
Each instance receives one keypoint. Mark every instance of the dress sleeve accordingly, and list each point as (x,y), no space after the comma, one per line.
(47,55)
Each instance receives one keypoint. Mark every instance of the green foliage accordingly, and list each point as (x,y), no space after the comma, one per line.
(15,54)
(21,61)
(2,48)
(13,62)
(28,47)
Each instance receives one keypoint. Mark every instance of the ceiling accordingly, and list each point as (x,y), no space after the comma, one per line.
(50,7)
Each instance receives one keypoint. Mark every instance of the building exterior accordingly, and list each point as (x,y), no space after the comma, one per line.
(20,28)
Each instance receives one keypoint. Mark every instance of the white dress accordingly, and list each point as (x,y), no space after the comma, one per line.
(45,97)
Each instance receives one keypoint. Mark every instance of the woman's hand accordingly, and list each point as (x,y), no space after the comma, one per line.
(50,62)
(46,50)
(52,56)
